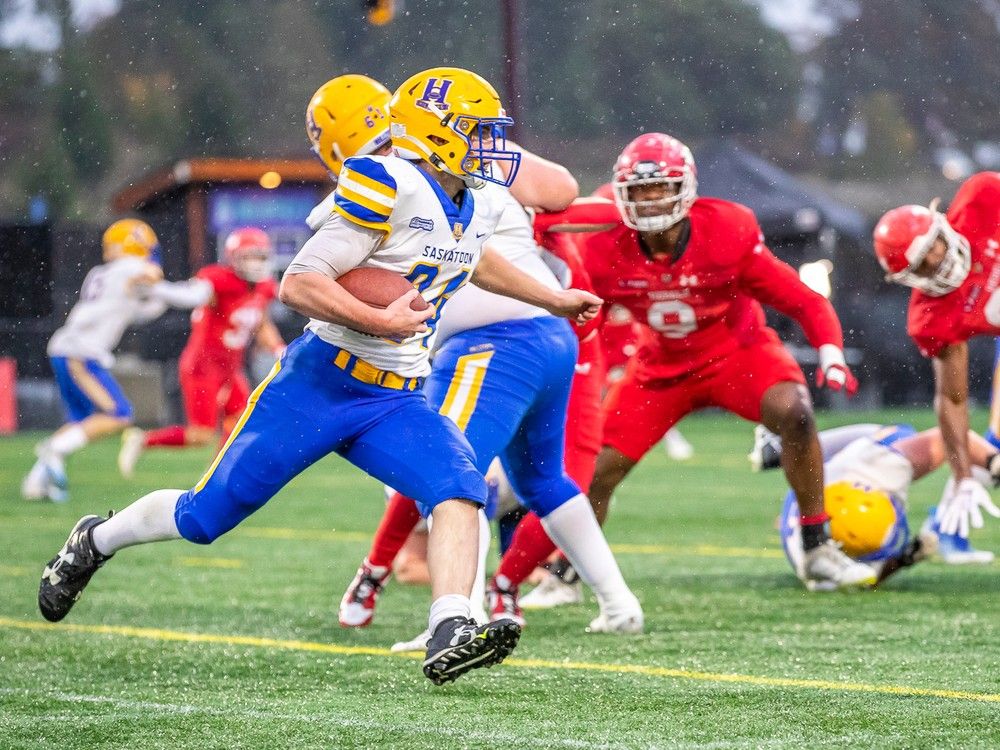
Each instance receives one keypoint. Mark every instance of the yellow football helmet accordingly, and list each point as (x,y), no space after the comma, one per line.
(862,519)
(453,119)
(130,237)
(347,117)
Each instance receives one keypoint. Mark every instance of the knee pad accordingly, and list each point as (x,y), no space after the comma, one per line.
(204,516)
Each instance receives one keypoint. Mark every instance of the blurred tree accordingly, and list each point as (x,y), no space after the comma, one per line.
(82,121)
(937,57)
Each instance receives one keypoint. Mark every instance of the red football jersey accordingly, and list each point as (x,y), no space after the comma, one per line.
(705,304)
(222,329)
(973,308)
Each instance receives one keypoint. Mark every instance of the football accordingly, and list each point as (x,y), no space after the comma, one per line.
(378,287)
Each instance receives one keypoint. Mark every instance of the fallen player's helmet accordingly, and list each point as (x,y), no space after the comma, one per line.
(869,523)
(347,116)
(655,159)
(903,238)
(453,119)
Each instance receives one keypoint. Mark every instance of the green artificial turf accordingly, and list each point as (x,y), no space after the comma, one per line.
(736,654)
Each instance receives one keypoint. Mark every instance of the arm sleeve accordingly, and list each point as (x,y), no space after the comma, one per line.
(584,214)
(776,284)
(336,248)
(193,293)
(148,310)
(563,250)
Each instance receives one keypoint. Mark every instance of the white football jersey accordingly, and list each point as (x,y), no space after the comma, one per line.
(872,464)
(388,213)
(107,306)
(473,307)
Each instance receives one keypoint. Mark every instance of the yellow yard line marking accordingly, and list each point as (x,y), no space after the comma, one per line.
(210,562)
(157,634)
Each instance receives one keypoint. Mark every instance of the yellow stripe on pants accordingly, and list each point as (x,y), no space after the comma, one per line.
(466,383)
(91,386)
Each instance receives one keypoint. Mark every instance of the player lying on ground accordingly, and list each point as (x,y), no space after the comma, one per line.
(695,271)
(126,289)
(502,371)
(230,301)
(951,262)
(350,384)
(925,451)
(869,469)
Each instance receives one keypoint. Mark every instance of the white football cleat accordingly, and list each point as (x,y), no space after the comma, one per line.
(828,568)
(133,444)
(56,481)
(357,607)
(952,548)
(677,446)
(766,451)
(35,485)
(626,623)
(418,643)
(553,591)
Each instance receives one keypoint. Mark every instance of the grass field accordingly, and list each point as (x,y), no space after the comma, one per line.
(236,645)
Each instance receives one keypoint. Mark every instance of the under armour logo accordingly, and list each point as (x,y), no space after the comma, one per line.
(582,368)
(52,573)
(461,632)
(435,91)
(686,280)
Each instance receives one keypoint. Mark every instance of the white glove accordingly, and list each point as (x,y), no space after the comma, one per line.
(961,507)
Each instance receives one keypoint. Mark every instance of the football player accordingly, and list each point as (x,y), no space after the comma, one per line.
(351,383)
(120,292)
(502,372)
(230,301)
(695,271)
(952,263)
(868,472)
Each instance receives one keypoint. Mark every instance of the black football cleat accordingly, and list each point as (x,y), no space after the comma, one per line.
(458,644)
(68,573)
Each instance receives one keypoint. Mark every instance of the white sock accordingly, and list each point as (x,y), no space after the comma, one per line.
(573,527)
(67,441)
(446,607)
(148,519)
(478,595)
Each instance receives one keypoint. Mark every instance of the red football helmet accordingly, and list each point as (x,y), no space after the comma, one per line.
(655,159)
(904,237)
(248,251)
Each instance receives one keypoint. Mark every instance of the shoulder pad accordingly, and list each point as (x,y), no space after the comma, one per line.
(733,228)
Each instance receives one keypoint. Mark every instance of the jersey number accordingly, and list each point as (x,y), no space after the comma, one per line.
(422,276)
(245,321)
(93,285)
(673,318)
